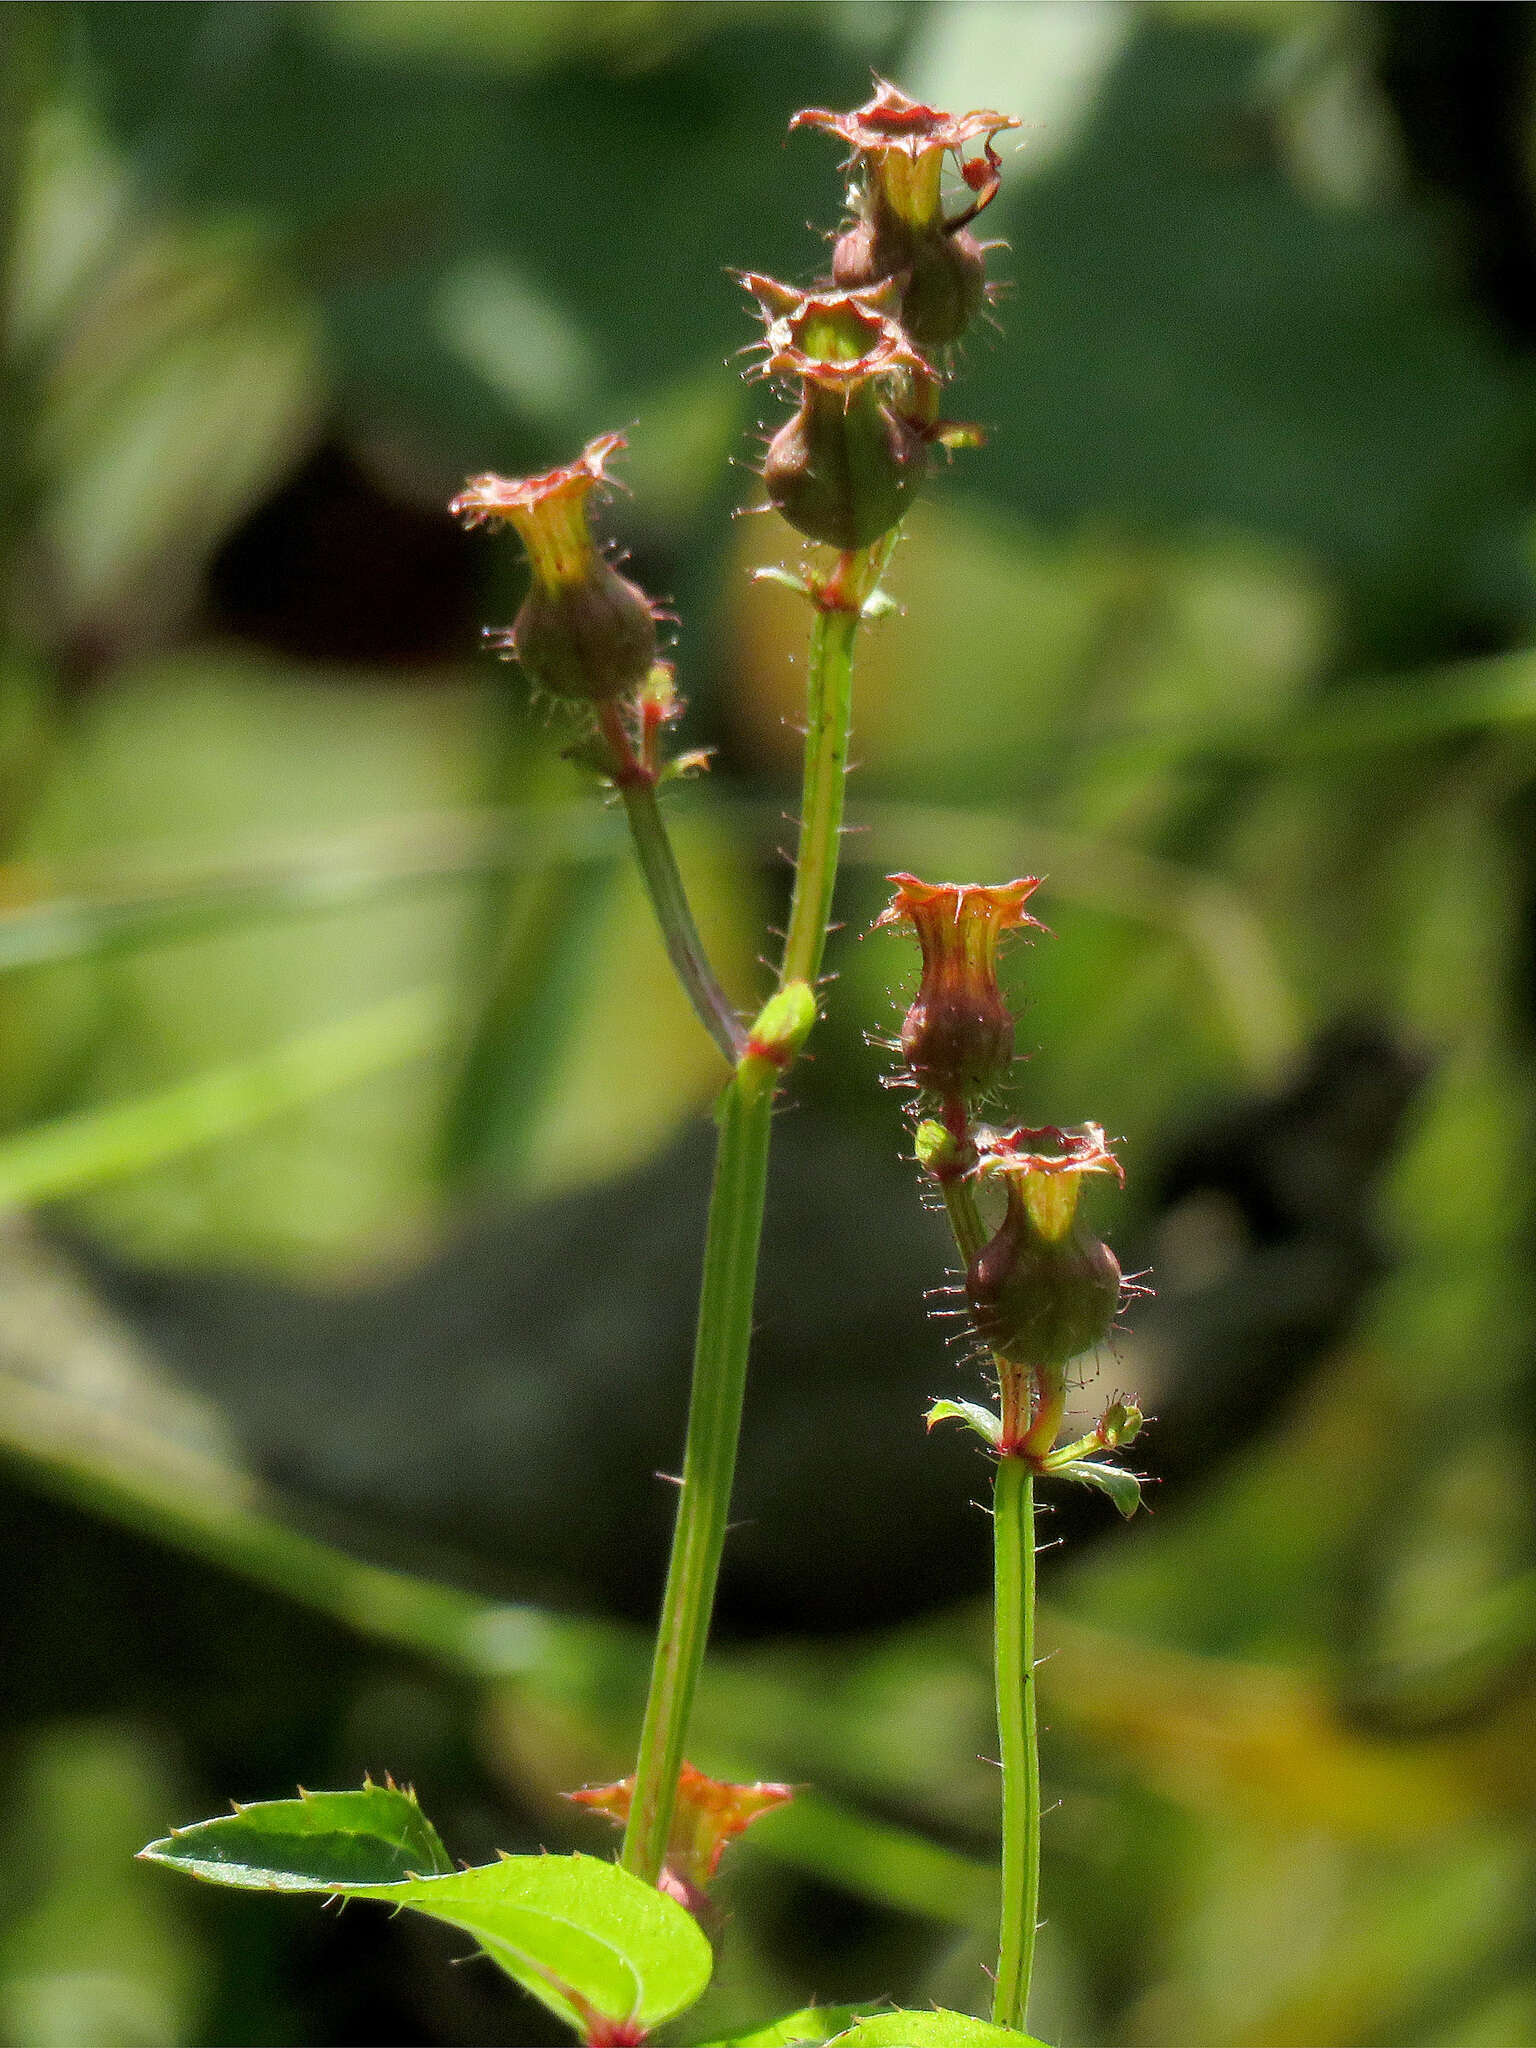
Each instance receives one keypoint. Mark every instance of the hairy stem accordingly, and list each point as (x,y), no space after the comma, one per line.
(714,1424)
(966,1226)
(735,1229)
(829,718)
(685,949)
(1013,1517)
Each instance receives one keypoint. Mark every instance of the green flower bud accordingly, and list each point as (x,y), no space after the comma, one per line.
(782,1025)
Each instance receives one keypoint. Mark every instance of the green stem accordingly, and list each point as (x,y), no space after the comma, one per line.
(714,1425)
(966,1226)
(829,703)
(736,1219)
(669,900)
(829,719)
(1013,1516)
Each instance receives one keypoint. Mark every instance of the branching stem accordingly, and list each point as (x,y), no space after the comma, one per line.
(724,1333)
(970,1233)
(635,779)
(685,949)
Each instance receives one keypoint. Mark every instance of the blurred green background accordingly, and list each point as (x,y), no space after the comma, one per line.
(356,1142)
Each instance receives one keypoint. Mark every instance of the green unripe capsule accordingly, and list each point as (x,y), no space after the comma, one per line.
(943,273)
(845,468)
(1039,1301)
(899,147)
(1045,1288)
(593,637)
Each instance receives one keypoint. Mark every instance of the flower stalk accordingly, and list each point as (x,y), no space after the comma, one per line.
(674,916)
(1013,1525)
(1041,1290)
(635,773)
(841,470)
(723,1338)
(840,603)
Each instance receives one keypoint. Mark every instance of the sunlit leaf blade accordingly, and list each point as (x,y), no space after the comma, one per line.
(319,1842)
(583,1936)
(1123,1487)
(813,2024)
(931,2030)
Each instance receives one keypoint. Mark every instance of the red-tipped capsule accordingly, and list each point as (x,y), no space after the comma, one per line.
(843,470)
(584,631)
(898,148)
(957,1037)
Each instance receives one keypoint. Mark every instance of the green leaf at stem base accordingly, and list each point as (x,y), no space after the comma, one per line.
(587,1939)
(321,1841)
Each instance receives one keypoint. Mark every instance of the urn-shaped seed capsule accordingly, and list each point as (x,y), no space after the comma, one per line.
(1044,1289)
(945,274)
(900,231)
(844,469)
(584,632)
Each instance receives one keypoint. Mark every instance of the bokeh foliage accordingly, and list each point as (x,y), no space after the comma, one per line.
(352,1121)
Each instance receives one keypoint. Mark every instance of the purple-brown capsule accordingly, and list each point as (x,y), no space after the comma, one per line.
(957,1036)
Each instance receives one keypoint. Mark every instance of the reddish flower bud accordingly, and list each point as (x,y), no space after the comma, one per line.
(584,631)
(708,1814)
(1044,1288)
(957,1037)
(898,147)
(844,469)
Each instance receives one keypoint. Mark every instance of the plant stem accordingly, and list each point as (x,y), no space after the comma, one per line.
(829,718)
(685,949)
(965,1222)
(1013,1517)
(714,1424)
(745,1116)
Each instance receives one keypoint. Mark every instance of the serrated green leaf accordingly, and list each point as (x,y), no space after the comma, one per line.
(982,1420)
(1123,1487)
(319,1842)
(814,2024)
(583,1936)
(931,2030)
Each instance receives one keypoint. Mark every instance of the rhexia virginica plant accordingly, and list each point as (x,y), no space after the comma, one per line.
(864,358)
